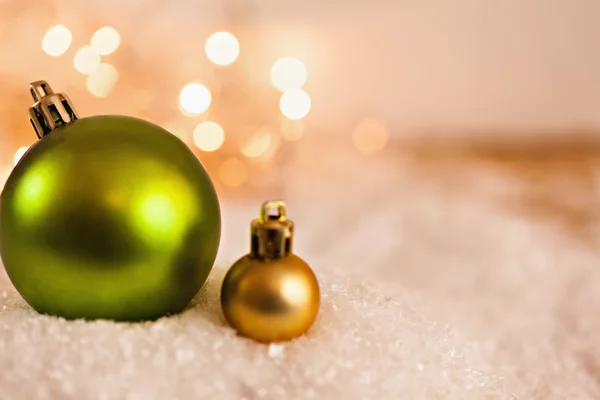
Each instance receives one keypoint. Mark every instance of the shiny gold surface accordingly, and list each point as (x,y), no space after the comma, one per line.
(270,301)
(272,298)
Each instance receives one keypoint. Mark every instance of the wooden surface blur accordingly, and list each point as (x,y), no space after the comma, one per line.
(554,183)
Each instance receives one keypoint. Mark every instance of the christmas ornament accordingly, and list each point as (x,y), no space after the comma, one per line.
(106,217)
(271,294)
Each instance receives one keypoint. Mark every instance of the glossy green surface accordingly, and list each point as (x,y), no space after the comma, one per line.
(109,217)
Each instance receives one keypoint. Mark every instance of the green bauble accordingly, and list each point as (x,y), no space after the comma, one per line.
(108,217)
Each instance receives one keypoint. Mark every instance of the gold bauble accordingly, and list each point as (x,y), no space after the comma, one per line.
(270,294)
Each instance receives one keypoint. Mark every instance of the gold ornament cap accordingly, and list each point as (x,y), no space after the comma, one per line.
(271,232)
(51,110)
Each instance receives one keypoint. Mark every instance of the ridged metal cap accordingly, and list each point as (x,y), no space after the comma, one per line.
(51,110)
(271,234)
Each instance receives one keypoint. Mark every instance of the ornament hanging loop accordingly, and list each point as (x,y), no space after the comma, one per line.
(271,235)
(51,110)
(270,205)
(39,90)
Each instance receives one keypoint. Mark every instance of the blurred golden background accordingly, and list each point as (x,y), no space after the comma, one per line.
(268,92)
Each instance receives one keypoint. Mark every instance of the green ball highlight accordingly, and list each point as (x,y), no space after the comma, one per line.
(109,217)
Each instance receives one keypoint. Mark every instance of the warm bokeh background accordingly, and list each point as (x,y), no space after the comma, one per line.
(469,85)
(451,70)
(326,103)
(446,148)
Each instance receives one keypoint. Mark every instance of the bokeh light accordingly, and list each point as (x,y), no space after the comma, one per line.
(292,130)
(19,153)
(86,60)
(194,99)
(288,73)
(233,172)
(370,136)
(295,104)
(258,145)
(101,82)
(57,41)
(222,48)
(106,40)
(209,136)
